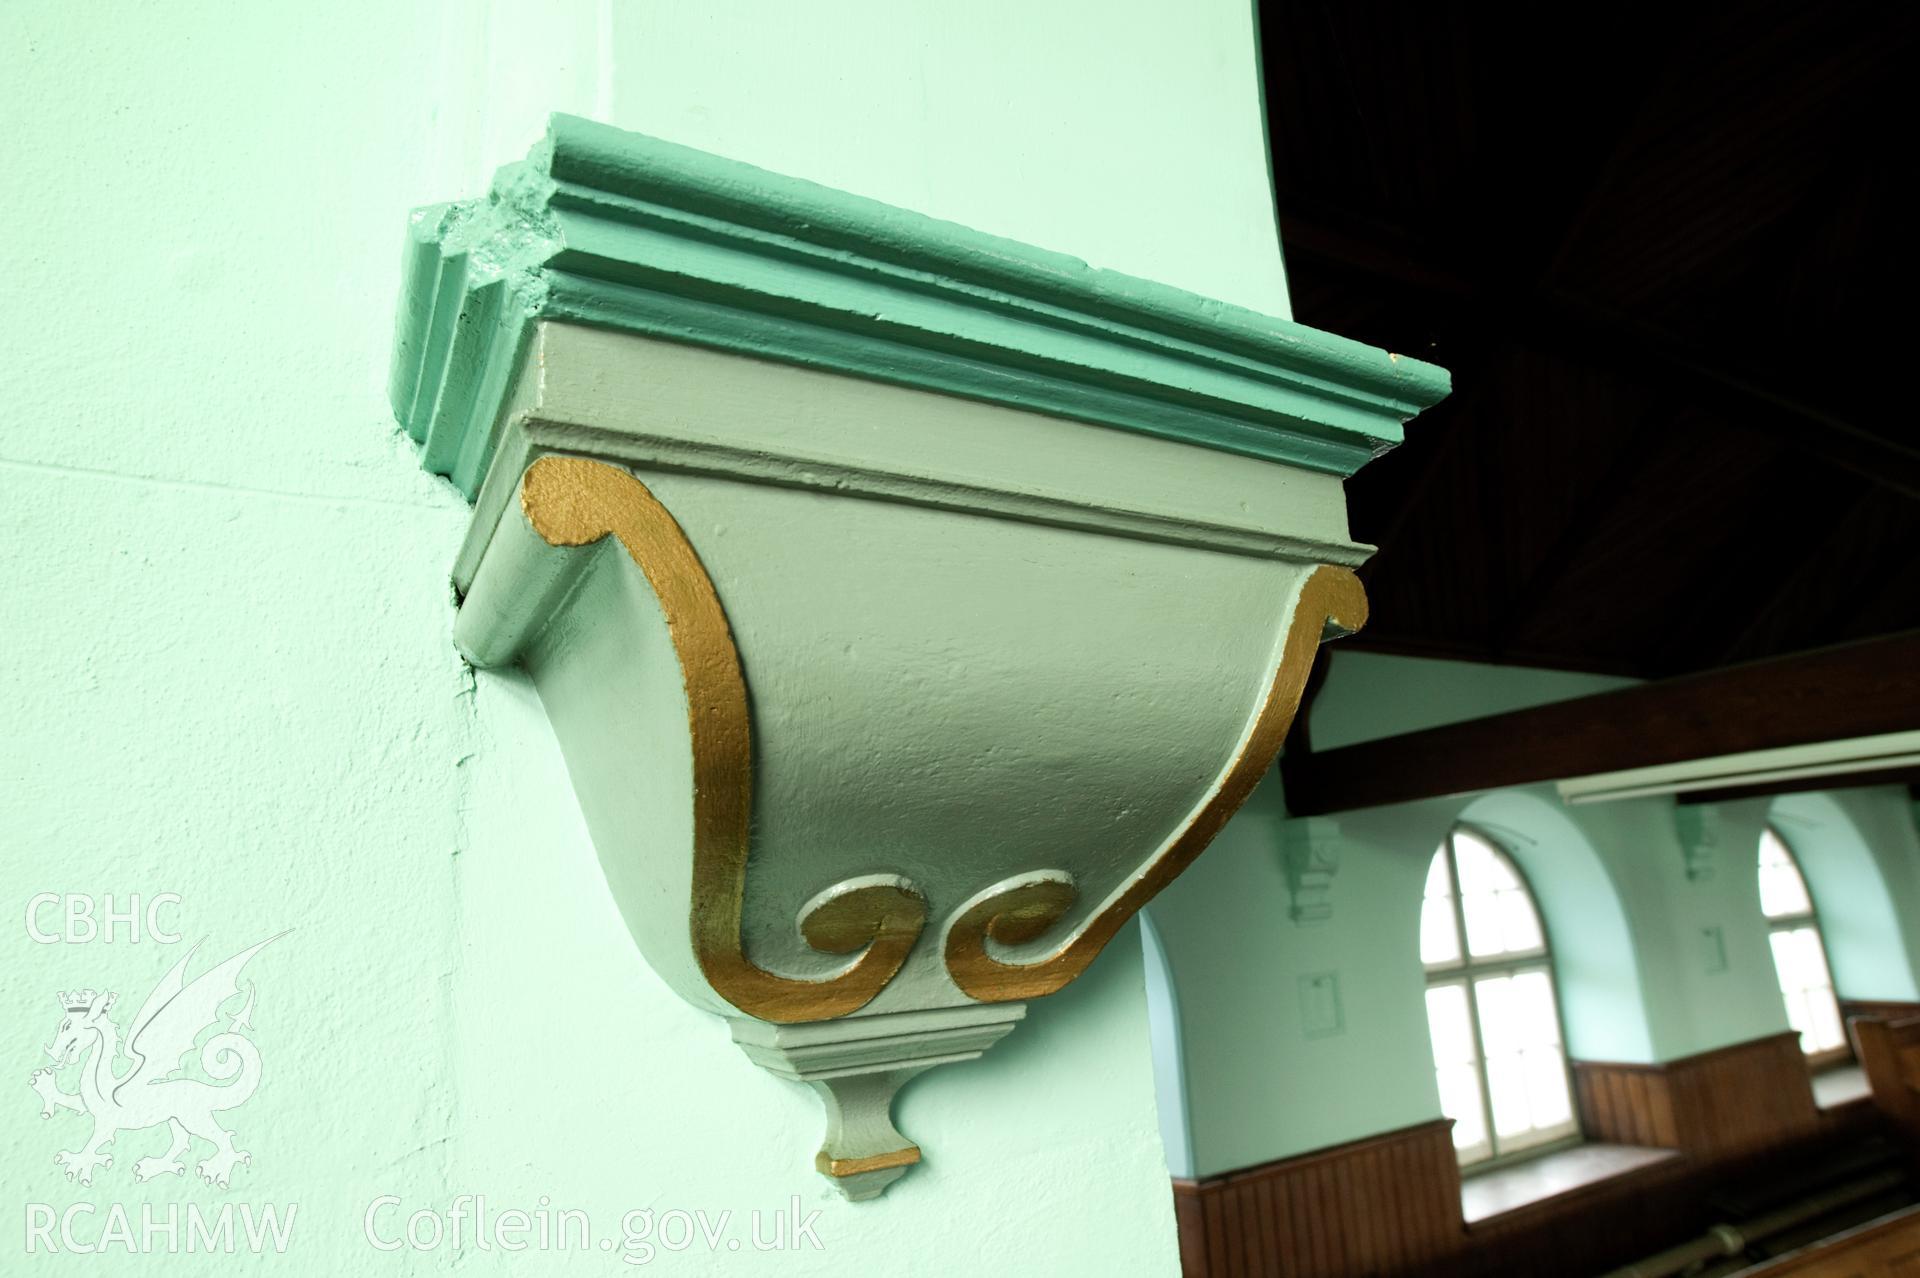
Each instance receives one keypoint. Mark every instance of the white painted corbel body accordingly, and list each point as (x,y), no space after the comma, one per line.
(888,697)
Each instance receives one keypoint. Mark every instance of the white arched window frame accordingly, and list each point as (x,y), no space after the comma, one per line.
(1800,953)
(1492,1010)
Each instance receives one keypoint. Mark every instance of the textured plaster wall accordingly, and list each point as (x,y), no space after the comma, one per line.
(228,672)
(1651,965)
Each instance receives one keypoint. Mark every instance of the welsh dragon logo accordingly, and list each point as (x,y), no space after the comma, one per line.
(153,1091)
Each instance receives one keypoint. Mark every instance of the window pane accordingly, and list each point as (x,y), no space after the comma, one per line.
(1501,1030)
(1813,957)
(1448,1025)
(1481,868)
(1456,1066)
(1786,961)
(1498,1062)
(1507,1085)
(1526,1073)
(1824,1025)
(1533,1001)
(1547,1089)
(1439,937)
(1799,959)
(1519,925)
(1806,987)
(1460,1101)
(1798,1018)
(1500,916)
(1439,930)
(1782,891)
(1483,923)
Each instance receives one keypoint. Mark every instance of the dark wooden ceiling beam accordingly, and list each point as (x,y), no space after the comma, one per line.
(1855,690)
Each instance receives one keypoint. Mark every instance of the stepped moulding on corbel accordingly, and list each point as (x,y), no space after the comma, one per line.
(910,605)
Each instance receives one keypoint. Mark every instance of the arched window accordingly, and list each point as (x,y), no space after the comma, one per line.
(1799,953)
(1490,1004)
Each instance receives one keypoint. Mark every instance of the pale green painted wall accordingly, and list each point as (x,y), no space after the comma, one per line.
(1638,976)
(1861,857)
(1687,1007)
(228,669)
(1258,1086)
(1131,135)
(1164,1019)
(1368,695)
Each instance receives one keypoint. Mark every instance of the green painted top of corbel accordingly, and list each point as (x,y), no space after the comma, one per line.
(604,227)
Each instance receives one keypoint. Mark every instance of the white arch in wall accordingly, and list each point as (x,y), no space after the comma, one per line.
(1169,1051)
(1858,920)
(1596,963)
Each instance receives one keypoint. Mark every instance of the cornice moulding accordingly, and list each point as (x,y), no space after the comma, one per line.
(618,230)
(961,456)
(891,681)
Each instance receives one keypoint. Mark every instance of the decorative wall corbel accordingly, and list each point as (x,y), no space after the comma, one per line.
(1698,825)
(910,606)
(1310,854)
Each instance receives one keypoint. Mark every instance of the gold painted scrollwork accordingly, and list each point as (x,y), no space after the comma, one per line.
(1020,910)
(574,501)
(1025,909)
(577,502)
